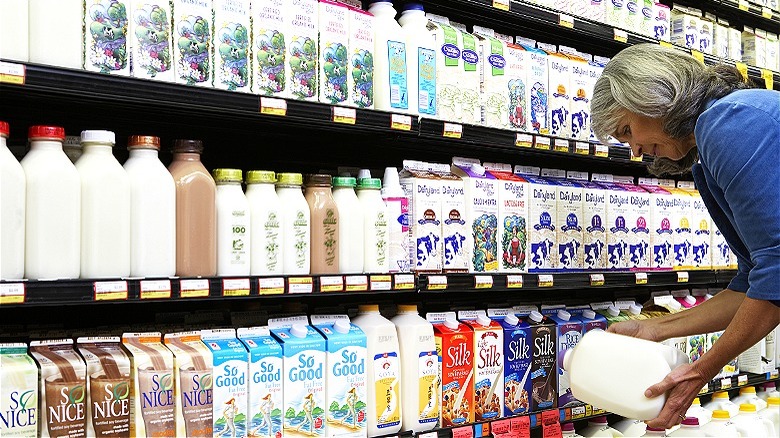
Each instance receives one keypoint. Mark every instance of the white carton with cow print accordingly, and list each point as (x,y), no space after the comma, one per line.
(568,221)
(481,214)
(660,225)
(701,229)
(542,239)
(512,218)
(424,193)
(682,215)
(582,74)
(721,251)
(618,204)
(638,255)
(559,106)
(594,213)
(454,230)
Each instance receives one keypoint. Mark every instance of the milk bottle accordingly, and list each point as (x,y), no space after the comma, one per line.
(266,382)
(688,428)
(514,250)
(698,411)
(488,364)
(567,431)
(351,225)
(424,217)
(701,228)
(661,22)
(453,225)
(750,424)
(325,237)
(346,379)
(106,47)
(660,224)
(14,37)
(537,91)
(268,48)
(398,221)
(230,361)
(194,383)
(455,348)
(568,221)
(53,208)
(421,68)
(384,369)
(391,86)
(233,224)
(12,192)
(266,233)
(494,81)
(568,333)
(481,215)
(542,239)
(151,39)
(192,33)
(594,212)
(375,226)
(629,427)
(720,426)
(301,22)
(419,370)
(517,361)
(303,350)
(19,407)
(295,219)
(682,239)
(334,56)
(108,386)
(544,373)
(559,67)
(360,77)
(638,255)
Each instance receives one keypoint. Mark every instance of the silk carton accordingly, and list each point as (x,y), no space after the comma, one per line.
(455,347)
(488,364)
(517,361)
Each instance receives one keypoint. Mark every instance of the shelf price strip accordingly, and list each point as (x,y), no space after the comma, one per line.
(238,287)
(452,130)
(155,289)
(524,140)
(401,122)
(501,4)
(300,285)
(437,282)
(332,284)
(545,280)
(682,277)
(11,73)
(403,281)
(742,380)
(195,288)
(641,277)
(620,35)
(566,20)
(381,282)
(110,290)
(596,280)
(561,145)
(514,281)
(347,116)
(463,432)
(12,293)
(273,106)
(270,286)
(483,281)
(356,283)
(601,150)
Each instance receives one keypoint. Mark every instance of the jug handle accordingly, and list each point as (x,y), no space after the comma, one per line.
(769,426)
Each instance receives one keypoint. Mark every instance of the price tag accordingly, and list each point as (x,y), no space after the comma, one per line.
(300,285)
(641,277)
(621,35)
(725,383)
(235,287)
(597,279)
(500,427)
(11,73)
(110,290)
(428,435)
(437,282)
(194,288)
(524,140)
(270,286)
(774,374)
(577,412)
(463,432)
(401,122)
(12,293)
(344,115)
(542,143)
(743,5)
(742,380)
(601,150)
(705,389)
(520,427)
(698,55)
(331,284)
(501,4)
(381,282)
(743,69)
(155,289)
(666,44)
(514,281)
(588,410)
(403,282)
(545,280)
(634,157)
(682,277)
(551,426)
(483,281)
(768,78)
(766,12)
(561,145)
(453,130)
(273,106)
(566,20)
(598,411)
(356,283)
(581,148)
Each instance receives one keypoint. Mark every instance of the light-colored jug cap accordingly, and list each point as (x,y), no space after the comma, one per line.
(635,309)
(690,299)
(511,319)
(451,323)
(564,315)
(589,314)
(535,316)
(341,326)
(721,414)
(299,330)
(98,136)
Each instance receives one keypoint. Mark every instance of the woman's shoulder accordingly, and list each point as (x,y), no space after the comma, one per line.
(767,101)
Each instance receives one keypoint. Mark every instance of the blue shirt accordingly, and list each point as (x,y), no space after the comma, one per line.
(738,138)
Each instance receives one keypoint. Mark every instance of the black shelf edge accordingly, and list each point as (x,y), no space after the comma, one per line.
(754,13)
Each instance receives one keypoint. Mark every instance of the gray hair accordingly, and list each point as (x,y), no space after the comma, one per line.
(662,83)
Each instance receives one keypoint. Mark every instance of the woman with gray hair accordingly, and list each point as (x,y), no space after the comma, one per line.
(690,117)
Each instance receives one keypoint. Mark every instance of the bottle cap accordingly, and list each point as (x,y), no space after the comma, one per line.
(747,390)
(369,183)
(564,315)
(413,7)
(655,429)
(40,132)
(635,309)
(691,421)
(299,330)
(407,308)
(98,136)
(260,177)
(143,142)
(5,130)
(690,299)
(613,311)
(477,169)
(365,308)
(768,385)
(747,407)
(483,320)
(451,323)
(363,173)
(567,427)
(391,177)
(344,181)
(696,402)
(774,401)
(589,314)
(721,414)
(227,175)
(511,319)
(598,420)
(341,326)
(720,394)
(290,179)
(535,316)
(185,146)
(318,180)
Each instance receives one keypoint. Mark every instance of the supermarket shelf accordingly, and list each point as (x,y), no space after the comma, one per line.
(750,12)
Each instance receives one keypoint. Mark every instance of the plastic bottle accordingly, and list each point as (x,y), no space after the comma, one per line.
(14,33)
(391,92)
(266,248)
(720,400)
(697,410)
(296,225)
(383,370)
(629,427)
(568,430)
(324,224)
(234,223)
(652,431)
(152,210)
(748,395)
(56,32)
(421,69)
(397,221)
(688,428)
(628,366)
(598,427)
(766,390)
(419,370)
(350,225)
(196,211)
(720,425)
(12,190)
(749,424)
(772,412)
(52,243)
(375,229)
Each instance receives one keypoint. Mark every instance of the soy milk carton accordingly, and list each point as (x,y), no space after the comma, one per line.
(701,228)
(192,42)
(537,91)
(346,378)
(360,69)
(230,361)
(542,210)
(568,221)
(559,108)
(633,16)
(494,79)
(514,250)
(455,347)
(517,361)
(425,216)
(194,383)
(269,35)
(637,221)
(151,40)
(660,224)
(301,59)
(303,349)
(618,206)
(568,332)
(106,43)
(594,213)
(516,70)
(544,375)
(454,229)
(108,386)
(334,54)
(469,76)
(481,215)
(616,13)
(265,382)
(488,364)
(19,395)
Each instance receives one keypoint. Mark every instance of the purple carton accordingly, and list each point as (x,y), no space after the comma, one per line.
(568,333)
(518,356)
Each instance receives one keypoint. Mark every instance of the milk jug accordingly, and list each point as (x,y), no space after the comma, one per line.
(419,370)
(266,243)
(295,221)
(397,221)
(720,401)
(512,218)
(421,68)
(766,390)
(598,427)
(652,431)
(772,412)
(230,360)
(697,410)
(233,224)
(567,429)
(488,364)
(19,405)
(455,348)
(720,425)
(748,395)
(12,191)
(688,428)
(350,225)
(629,427)
(266,382)
(383,371)
(375,226)
(151,39)
(749,424)
(391,86)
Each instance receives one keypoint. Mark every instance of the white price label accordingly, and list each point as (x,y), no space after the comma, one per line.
(344,115)
(725,383)
(597,279)
(577,412)
(11,73)
(300,285)
(270,286)
(428,435)
(601,150)
(504,6)
(401,122)
(356,283)
(332,284)
(235,287)
(155,289)
(514,281)
(273,106)
(12,293)
(524,140)
(195,288)
(542,143)
(705,389)
(561,145)
(582,148)
(110,290)
(453,130)
(621,35)
(437,282)
(545,280)
(566,21)
(381,282)
(641,277)
(403,281)
(483,281)
(742,380)
(682,277)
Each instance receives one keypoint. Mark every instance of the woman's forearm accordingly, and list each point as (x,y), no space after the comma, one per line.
(710,316)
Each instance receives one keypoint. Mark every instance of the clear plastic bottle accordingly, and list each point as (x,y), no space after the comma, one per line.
(152,210)
(350,225)
(376,245)
(421,53)
(105,208)
(267,235)
(324,224)
(296,225)
(391,92)
(56,32)
(233,224)
(397,221)
(12,190)
(52,247)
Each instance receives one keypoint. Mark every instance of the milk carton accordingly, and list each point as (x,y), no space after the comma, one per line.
(108,386)
(633,16)
(581,85)
(661,22)
(618,206)
(106,43)
(455,347)
(594,213)
(346,378)
(542,210)
(301,21)
(516,72)
(754,46)
(720,37)
(682,239)
(517,361)
(231,42)
(568,332)
(735,44)
(19,395)
(425,216)
(194,387)
(304,408)
(594,73)
(685,29)
(660,224)
(360,74)
(488,364)
(494,80)
(481,215)
(469,82)
(721,252)
(334,55)
(514,250)
(192,36)
(637,220)
(559,67)
(269,35)
(772,51)
(701,227)
(230,360)
(151,40)
(544,375)
(616,13)
(454,231)
(592,321)
(568,221)
(646,19)
(265,382)
(537,91)
(706,33)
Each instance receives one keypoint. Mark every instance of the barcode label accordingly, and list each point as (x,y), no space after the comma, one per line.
(395,95)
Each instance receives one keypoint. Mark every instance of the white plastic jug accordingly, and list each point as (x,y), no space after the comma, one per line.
(568,431)
(720,400)
(748,395)
(627,367)
(688,428)
(720,426)
(629,427)
(697,410)
(749,424)
(772,412)
(598,427)
(766,390)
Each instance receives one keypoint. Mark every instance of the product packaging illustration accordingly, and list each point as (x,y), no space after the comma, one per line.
(481,215)
(151,40)
(231,42)
(301,60)
(512,236)
(19,411)
(455,347)
(269,48)
(194,387)
(230,368)
(266,382)
(488,364)
(106,43)
(192,42)
(108,386)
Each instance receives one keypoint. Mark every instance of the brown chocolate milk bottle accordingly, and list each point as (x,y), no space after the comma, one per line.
(196,214)
(324,224)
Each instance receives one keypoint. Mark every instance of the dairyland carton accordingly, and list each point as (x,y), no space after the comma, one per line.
(334,55)
(512,218)
(19,395)
(661,22)
(542,209)
(455,348)
(106,43)
(494,99)
(481,215)
(685,27)
(230,361)
(660,224)
(517,361)
(304,408)
(537,91)
(346,391)
(517,83)
(581,85)
(706,33)
(232,45)
(682,239)
(594,213)
(701,229)
(454,230)
(360,74)
(568,221)
(194,387)
(108,386)
(568,333)
(301,23)
(721,252)
(637,221)
(559,67)
(618,206)
(268,48)
(488,364)
(151,40)
(192,35)
(425,216)
(266,382)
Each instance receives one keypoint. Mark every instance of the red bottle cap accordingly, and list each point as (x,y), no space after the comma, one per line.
(5,130)
(40,131)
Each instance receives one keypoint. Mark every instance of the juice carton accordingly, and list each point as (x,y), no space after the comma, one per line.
(537,91)
(682,239)
(488,364)
(232,45)
(454,231)
(153,410)
(516,72)
(360,74)
(481,215)
(517,361)
(151,40)
(542,209)
(512,218)
(425,216)
(63,388)
(568,332)
(346,378)
(303,407)
(494,80)
(559,68)
(581,86)
(269,35)
(230,360)
(660,226)
(661,22)
(106,43)
(19,395)
(637,221)
(618,206)
(594,213)
(301,22)
(685,27)
(108,386)
(193,48)
(701,224)
(194,387)
(544,375)
(265,382)
(455,347)
(568,221)
(334,54)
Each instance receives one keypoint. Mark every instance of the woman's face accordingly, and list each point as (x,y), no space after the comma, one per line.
(646,136)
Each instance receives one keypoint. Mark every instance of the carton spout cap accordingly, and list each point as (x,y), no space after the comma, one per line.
(341,326)
(511,319)
(483,320)
(298,330)
(451,323)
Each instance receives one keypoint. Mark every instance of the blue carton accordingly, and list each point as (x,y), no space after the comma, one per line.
(517,361)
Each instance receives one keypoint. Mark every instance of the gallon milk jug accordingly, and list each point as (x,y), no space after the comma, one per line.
(618,385)
(419,370)
(391,92)
(629,427)
(688,428)
(598,427)
(12,187)
(697,410)
(749,424)
(422,60)
(350,225)
(766,390)
(772,412)
(233,224)
(383,371)
(748,395)
(720,400)
(720,425)
(568,431)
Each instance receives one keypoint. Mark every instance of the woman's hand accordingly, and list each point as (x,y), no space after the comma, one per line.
(683,385)
(643,329)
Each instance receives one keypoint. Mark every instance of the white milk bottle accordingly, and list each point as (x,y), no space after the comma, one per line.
(12,188)
(748,395)
(749,424)
(14,33)
(567,429)
(384,371)
(152,210)
(629,427)
(720,426)
(598,427)
(688,428)
(295,219)
(391,91)
(720,401)
(419,370)
(233,224)
(350,225)
(421,51)
(266,250)
(772,412)
(766,390)
(375,229)
(697,410)
(397,221)
(56,32)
